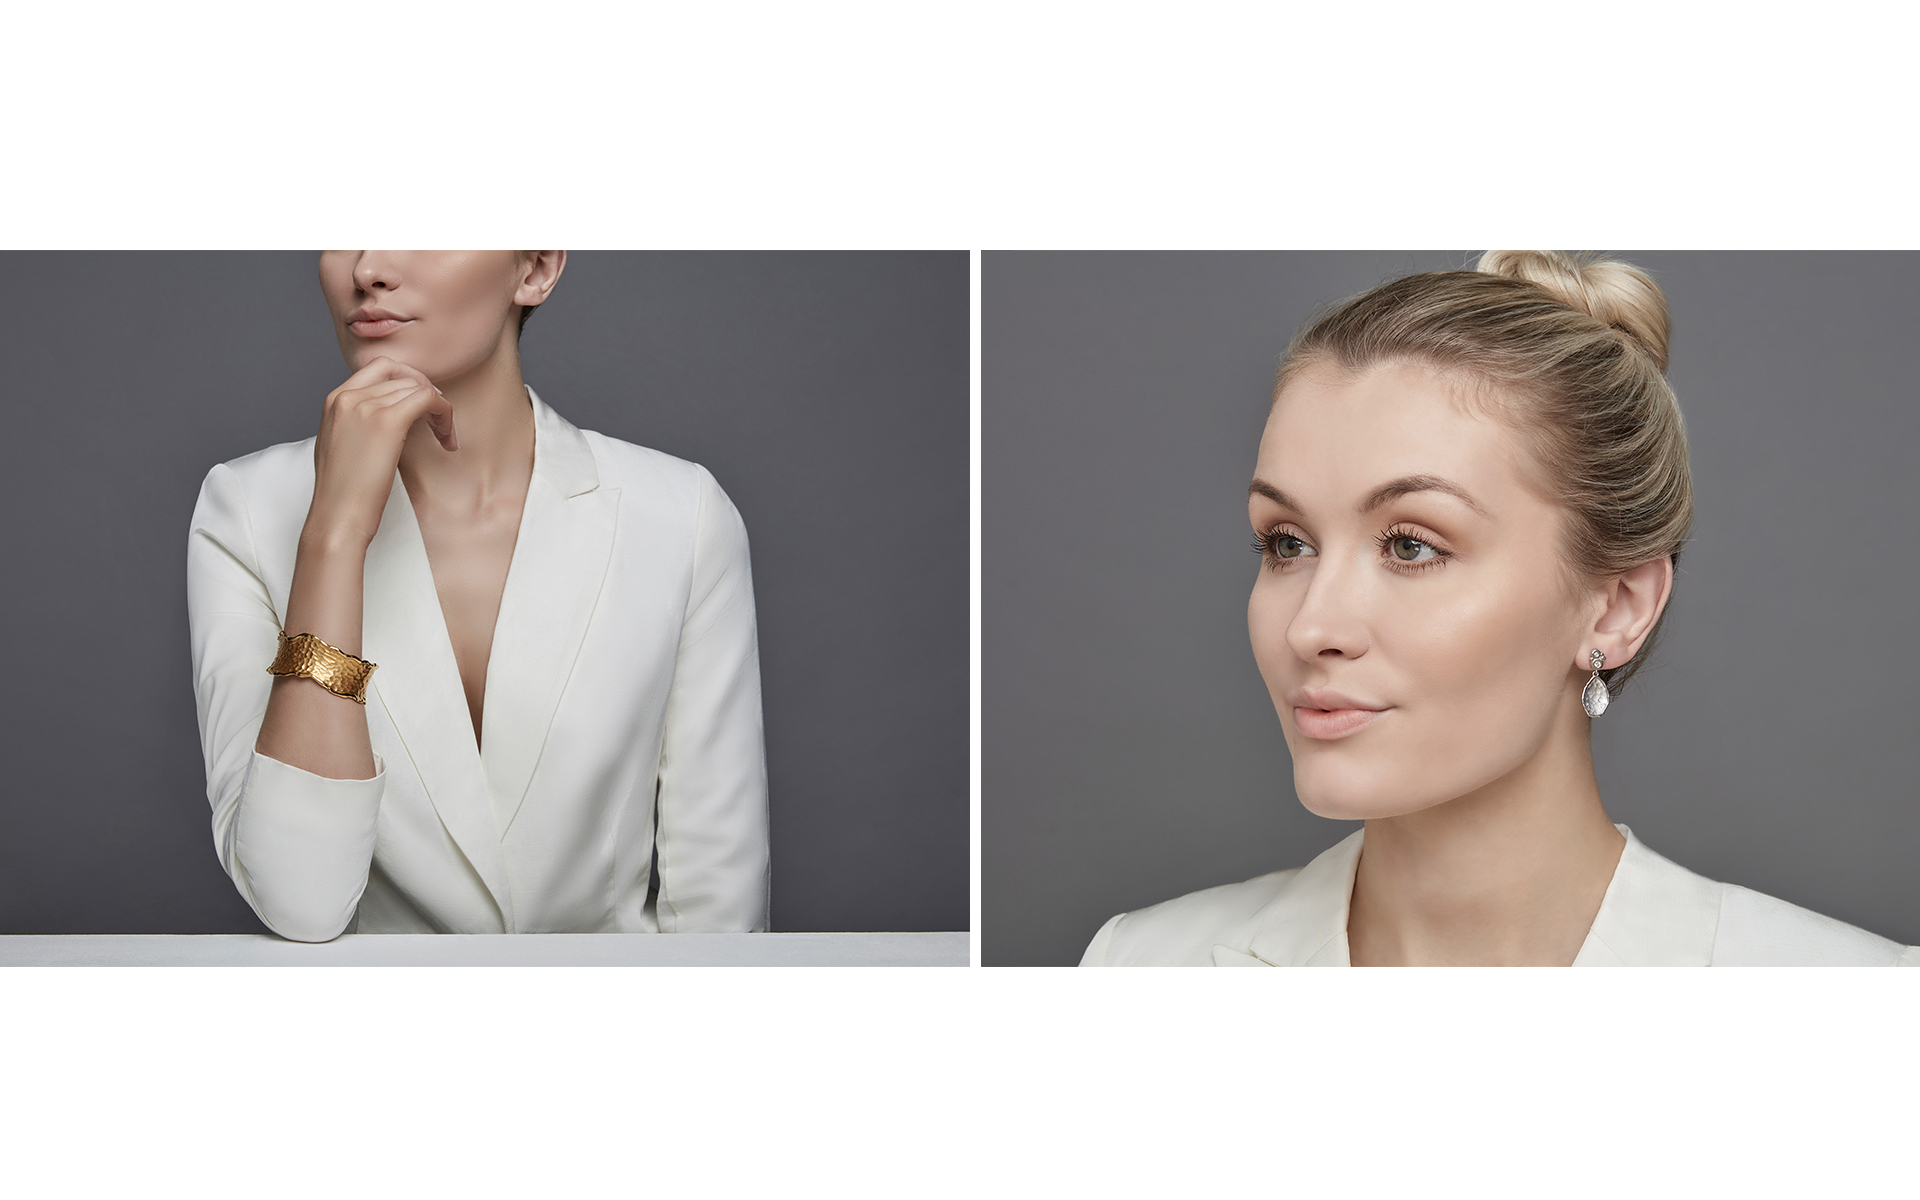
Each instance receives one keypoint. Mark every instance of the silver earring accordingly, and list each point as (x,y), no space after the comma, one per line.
(1594,696)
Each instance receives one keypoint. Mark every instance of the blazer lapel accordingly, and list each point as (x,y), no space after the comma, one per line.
(419,685)
(1656,913)
(1305,924)
(559,565)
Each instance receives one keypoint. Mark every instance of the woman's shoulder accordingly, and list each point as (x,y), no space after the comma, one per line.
(279,462)
(250,490)
(670,493)
(1758,930)
(659,484)
(622,455)
(629,464)
(1659,913)
(1182,931)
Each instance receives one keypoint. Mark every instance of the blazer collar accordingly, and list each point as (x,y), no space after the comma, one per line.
(1305,924)
(560,559)
(561,455)
(1655,913)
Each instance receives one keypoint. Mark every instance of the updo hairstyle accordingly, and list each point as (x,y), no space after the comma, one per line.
(1572,351)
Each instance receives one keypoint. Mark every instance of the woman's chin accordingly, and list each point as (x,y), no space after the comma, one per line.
(1347,796)
(366,352)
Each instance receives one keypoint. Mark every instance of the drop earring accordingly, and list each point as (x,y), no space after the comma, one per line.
(1595,697)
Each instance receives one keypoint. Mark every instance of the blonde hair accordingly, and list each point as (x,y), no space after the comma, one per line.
(1574,350)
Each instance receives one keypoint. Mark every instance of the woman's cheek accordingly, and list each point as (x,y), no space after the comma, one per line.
(1474,669)
(1269,612)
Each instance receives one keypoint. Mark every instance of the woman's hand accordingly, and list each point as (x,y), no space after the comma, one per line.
(363,426)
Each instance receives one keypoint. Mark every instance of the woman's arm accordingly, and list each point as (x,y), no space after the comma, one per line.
(296,843)
(712,832)
(291,773)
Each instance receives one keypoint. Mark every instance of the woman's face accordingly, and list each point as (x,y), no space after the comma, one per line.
(449,310)
(1412,616)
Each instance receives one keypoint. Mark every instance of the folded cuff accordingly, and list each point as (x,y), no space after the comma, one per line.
(305,843)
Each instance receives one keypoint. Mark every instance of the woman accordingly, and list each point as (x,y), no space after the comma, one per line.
(462,667)
(1470,497)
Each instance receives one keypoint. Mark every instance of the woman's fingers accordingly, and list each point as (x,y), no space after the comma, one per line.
(382,377)
(440,420)
(382,393)
(383,368)
(424,401)
(380,370)
(404,387)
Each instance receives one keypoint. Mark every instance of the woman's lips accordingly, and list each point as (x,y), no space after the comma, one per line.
(1326,724)
(374,329)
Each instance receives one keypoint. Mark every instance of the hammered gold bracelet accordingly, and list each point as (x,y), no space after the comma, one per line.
(335,670)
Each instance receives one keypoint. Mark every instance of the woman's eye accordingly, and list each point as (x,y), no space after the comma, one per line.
(1408,549)
(1277,547)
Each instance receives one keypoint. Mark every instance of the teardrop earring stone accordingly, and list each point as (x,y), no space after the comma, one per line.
(1594,696)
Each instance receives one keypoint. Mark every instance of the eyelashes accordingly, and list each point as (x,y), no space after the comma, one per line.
(1277,547)
(1402,549)
(1406,548)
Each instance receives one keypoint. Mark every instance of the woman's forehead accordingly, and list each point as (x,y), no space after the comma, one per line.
(1335,438)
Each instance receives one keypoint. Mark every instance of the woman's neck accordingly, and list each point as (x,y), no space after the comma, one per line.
(493,422)
(1509,875)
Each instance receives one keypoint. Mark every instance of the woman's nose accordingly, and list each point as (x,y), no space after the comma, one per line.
(376,270)
(1329,622)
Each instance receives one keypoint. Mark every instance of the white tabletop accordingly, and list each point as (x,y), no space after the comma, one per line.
(480,950)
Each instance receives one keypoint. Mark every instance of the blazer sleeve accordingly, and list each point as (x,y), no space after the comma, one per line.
(711,836)
(297,845)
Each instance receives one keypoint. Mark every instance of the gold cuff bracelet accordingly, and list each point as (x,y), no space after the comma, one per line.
(335,670)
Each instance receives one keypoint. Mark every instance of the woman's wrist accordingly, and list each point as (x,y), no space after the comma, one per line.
(332,542)
(329,573)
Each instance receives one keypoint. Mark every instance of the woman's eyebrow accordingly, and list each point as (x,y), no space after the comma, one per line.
(1260,487)
(1408,484)
(1393,490)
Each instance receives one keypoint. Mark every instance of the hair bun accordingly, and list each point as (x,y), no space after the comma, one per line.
(1619,293)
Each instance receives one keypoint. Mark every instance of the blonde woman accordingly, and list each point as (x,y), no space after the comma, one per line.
(1469,500)
(462,666)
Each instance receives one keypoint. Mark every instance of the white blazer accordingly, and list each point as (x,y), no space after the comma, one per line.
(622,710)
(1656,913)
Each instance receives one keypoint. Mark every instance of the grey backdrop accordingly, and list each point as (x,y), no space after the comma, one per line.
(1130,751)
(828,393)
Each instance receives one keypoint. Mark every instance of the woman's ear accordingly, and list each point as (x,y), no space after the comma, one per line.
(1633,604)
(539,272)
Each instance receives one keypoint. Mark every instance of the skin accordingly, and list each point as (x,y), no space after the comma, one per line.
(1459,620)
(441,400)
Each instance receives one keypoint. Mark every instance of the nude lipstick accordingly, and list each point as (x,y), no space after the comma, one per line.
(1326,715)
(372,322)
